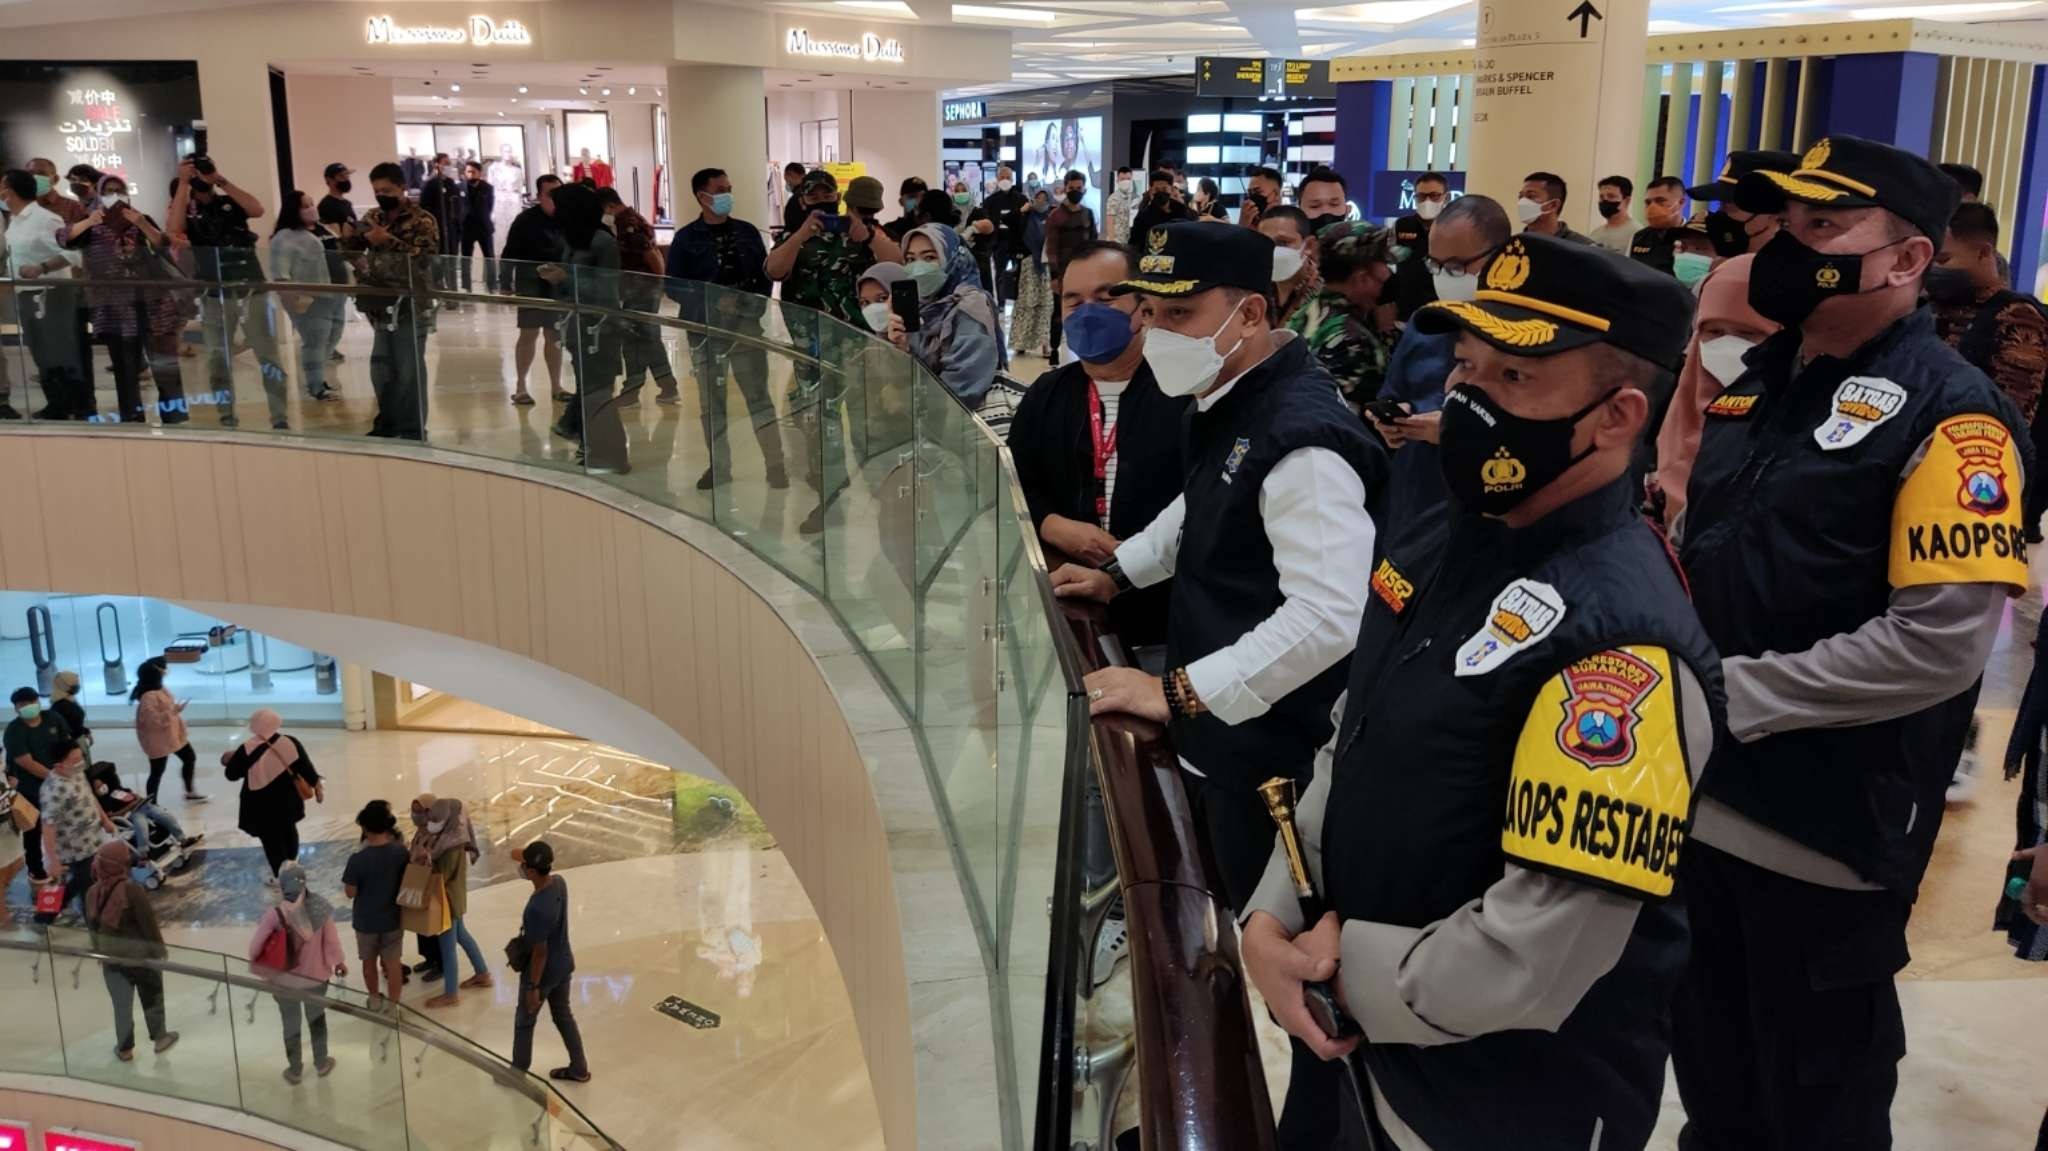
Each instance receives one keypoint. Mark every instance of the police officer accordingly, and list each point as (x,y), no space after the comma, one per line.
(1497,825)
(1732,228)
(1851,534)
(1266,546)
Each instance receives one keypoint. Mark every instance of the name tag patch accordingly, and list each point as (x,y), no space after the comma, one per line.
(1729,406)
(1393,588)
(1861,405)
(1521,616)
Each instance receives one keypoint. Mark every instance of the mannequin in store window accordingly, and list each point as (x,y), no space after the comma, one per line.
(593,169)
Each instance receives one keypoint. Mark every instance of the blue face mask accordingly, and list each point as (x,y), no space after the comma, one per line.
(1098,333)
(721,203)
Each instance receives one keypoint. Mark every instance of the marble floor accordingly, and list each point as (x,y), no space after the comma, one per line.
(672,893)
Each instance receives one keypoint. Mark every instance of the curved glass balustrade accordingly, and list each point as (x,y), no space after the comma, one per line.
(400,1082)
(822,448)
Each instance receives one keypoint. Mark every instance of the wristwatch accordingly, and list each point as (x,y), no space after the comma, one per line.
(1181,699)
(1115,571)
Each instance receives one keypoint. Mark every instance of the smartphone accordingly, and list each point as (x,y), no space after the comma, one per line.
(198,138)
(903,302)
(1386,411)
(836,225)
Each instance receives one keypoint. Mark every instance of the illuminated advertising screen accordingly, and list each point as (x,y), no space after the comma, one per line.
(1052,148)
(123,118)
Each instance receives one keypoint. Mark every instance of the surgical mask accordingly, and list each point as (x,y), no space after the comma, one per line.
(929,278)
(1721,358)
(389,203)
(1184,365)
(1528,211)
(961,198)
(1609,209)
(1730,236)
(877,315)
(1124,186)
(909,204)
(1948,285)
(721,203)
(448,171)
(1098,333)
(1286,263)
(1005,185)
(1429,209)
(1493,459)
(29,710)
(434,827)
(113,200)
(42,186)
(1789,280)
(343,186)
(1455,286)
(291,886)
(1691,267)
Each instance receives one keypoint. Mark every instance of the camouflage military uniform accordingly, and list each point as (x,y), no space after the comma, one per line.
(826,276)
(398,349)
(1346,342)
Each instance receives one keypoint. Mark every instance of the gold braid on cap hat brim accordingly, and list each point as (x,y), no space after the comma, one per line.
(1512,333)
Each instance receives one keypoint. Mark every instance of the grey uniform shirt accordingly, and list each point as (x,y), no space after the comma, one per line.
(1520,957)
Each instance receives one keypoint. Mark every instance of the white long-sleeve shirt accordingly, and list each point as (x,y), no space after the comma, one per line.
(32,239)
(1312,504)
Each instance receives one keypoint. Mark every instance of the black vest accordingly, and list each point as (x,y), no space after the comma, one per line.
(1413,831)
(1787,543)
(1224,580)
(1412,286)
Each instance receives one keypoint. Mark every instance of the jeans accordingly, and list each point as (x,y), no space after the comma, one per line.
(219,312)
(398,374)
(139,822)
(709,358)
(187,760)
(291,1008)
(557,998)
(456,935)
(316,327)
(123,985)
(489,244)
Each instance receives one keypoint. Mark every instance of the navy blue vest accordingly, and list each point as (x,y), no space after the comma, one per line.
(1224,581)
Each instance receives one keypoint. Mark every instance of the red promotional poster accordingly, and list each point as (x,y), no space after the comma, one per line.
(64,1139)
(13,1136)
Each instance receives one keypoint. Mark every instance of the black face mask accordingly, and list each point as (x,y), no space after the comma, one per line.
(1789,280)
(343,186)
(390,203)
(1609,209)
(1317,223)
(1948,285)
(1493,460)
(1729,235)
(1074,196)
(81,192)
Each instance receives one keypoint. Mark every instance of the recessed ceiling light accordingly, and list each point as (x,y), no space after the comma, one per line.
(1938,11)
(632,91)
(455,87)
(657,91)
(501,115)
(522,89)
(892,7)
(515,99)
(1027,15)
(607,91)
(583,91)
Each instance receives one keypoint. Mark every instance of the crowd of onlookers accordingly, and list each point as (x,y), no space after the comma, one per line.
(90,842)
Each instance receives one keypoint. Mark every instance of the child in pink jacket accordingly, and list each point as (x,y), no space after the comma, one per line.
(313,955)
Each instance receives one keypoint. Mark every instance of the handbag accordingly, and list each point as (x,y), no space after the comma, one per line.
(519,953)
(50,898)
(277,951)
(21,811)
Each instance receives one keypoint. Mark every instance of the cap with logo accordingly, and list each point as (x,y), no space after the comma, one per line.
(1736,167)
(1185,259)
(1541,296)
(1850,172)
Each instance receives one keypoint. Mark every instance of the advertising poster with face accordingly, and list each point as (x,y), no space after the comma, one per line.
(1052,148)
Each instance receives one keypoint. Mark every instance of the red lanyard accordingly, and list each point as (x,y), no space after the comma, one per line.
(1105,447)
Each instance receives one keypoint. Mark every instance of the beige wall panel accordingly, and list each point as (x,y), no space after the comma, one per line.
(473,526)
(234,524)
(368,561)
(629,567)
(201,546)
(151,519)
(419,522)
(334,531)
(282,551)
(92,475)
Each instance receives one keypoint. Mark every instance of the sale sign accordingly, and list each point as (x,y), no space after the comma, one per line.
(64,1139)
(13,1136)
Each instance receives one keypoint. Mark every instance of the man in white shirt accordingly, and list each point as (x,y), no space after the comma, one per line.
(48,315)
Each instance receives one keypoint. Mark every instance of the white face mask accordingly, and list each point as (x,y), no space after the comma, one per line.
(1184,365)
(113,199)
(435,826)
(1286,263)
(876,314)
(1722,357)
(1124,186)
(1528,210)
(1005,185)
(1455,286)
(1429,209)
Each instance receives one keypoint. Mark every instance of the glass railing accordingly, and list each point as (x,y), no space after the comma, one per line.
(397,1082)
(834,456)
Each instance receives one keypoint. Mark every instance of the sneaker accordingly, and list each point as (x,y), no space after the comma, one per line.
(292,1075)
(324,1066)
(166,1041)
(707,481)
(662,398)
(280,426)
(191,840)
(194,797)
(125,1054)
(813,523)
(630,399)
(1962,787)
(1112,943)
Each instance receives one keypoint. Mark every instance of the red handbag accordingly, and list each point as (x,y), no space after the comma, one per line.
(50,899)
(276,953)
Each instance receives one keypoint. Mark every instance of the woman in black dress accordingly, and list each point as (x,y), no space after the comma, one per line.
(277,778)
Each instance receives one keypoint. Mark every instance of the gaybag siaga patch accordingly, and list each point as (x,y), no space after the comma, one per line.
(1957,518)
(1600,789)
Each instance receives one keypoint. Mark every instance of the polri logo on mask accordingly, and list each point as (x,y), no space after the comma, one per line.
(1502,473)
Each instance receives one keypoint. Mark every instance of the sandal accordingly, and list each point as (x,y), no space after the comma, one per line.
(480,979)
(569,1075)
(523,400)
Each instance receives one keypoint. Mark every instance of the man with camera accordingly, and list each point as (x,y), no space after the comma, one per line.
(212,213)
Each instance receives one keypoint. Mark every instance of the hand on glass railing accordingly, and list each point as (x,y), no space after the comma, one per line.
(552,273)
(1073,581)
(1280,965)
(1127,691)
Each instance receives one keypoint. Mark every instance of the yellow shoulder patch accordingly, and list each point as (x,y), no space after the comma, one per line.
(1600,789)
(1957,518)
(1732,405)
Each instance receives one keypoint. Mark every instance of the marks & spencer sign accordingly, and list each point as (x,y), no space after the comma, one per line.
(481,31)
(871,48)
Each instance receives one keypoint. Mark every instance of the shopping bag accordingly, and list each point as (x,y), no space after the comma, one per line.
(431,917)
(21,811)
(412,889)
(50,898)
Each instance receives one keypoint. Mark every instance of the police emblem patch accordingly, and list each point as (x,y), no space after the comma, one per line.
(1238,451)
(1861,404)
(1510,269)
(1603,692)
(1521,616)
(1980,452)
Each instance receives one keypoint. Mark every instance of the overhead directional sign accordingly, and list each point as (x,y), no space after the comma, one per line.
(1258,76)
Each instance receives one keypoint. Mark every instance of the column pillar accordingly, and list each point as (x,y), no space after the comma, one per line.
(1545,97)
(1364,111)
(2024,219)
(718,118)
(1888,97)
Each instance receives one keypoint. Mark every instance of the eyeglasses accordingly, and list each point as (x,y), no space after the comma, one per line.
(1459,266)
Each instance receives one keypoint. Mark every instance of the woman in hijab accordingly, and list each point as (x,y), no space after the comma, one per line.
(276,776)
(447,844)
(312,954)
(1031,319)
(124,926)
(1724,328)
(160,728)
(121,243)
(960,338)
(589,275)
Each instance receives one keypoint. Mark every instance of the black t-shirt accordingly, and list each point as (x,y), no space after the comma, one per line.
(334,208)
(224,244)
(546,920)
(35,742)
(376,872)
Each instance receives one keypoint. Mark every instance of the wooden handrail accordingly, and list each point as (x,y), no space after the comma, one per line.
(1200,1080)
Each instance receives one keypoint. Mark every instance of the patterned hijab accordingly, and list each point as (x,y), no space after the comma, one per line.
(960,293)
